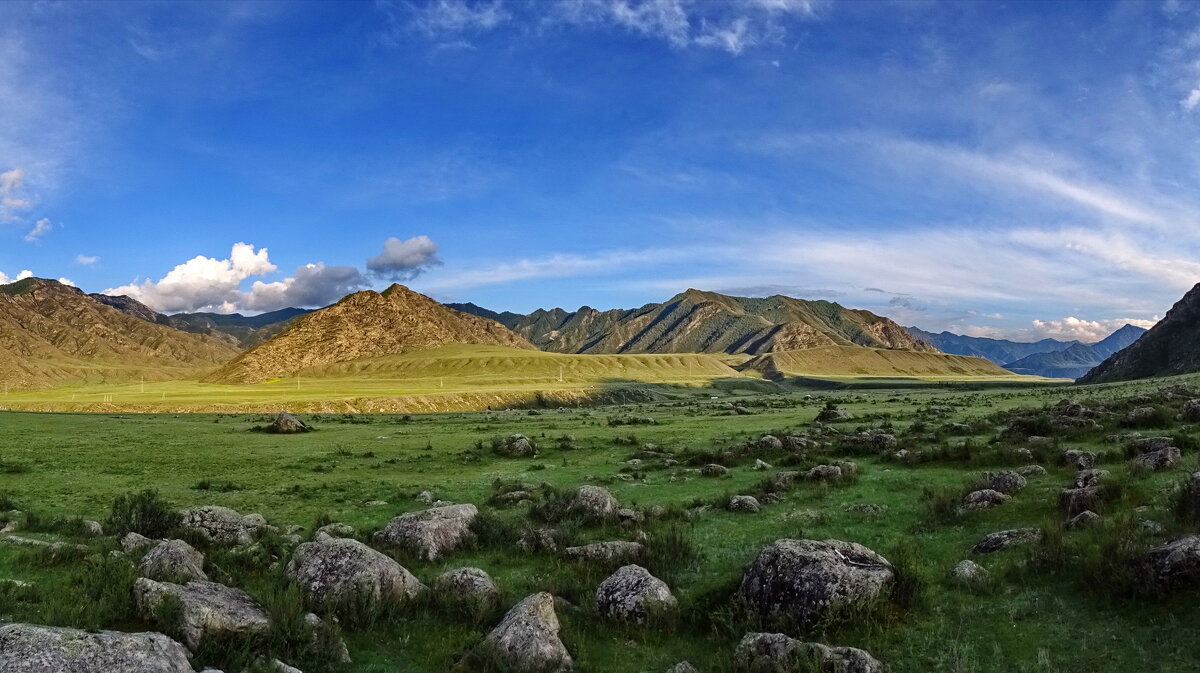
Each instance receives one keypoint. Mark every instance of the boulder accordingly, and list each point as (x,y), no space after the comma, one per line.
(324,638)
(1190,411)
(29,648)
(207,609)
(1004,481)
(744,503)
(994,542)
(431,533)
(1139,445)
(606,553)
(802,581)
(514,446)
(985,499)
(1141,416)
(970,573)
(1078,458)
(471,589)
(342,570)
(1156,460)
(594,502)
(1175,564)
(538,539)
(632,594)
(527,640)
(334,530)
(1083,519)
(222,526)
(1031,471)
(824,473)
(777,653)
(173,561)
(714,470)
(683,667)
(760,465)
(770,443)
(1072,501)
(134,541)
(1089,478)
(287,424)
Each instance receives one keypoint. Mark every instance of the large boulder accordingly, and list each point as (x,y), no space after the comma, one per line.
(1073,501)
(606,553)
(334,571)
(223,526)
(207,609)
(799,582)
(1079,458)
(970,573)
(985,499)
(1004,481)
(1175,564)
(1190,411)
(594,502)
(430,533)
(287,424)
(1156,460)
(744,503)
(632,594)
(514,446)
(173,561)
(777,653)
(28,648)
(994,542)
(527,641)
(470,589)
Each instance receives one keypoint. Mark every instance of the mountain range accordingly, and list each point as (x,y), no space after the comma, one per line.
(1170,347)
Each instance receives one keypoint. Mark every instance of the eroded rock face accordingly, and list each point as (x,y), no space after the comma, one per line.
(287,424)
(994,542)
(223,526)
(527,639)
(985,499)
(777,653)
(1175,564)
(468,588)
(208,609)
(335,570)
(173,561)
(1003,481)
(802,581)
(431,533)
(606,553)
(594,502)
(28,648)
(632,594)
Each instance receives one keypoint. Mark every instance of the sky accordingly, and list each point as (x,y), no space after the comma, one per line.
(1008,169)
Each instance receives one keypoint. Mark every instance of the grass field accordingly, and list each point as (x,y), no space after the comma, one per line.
(1049,609)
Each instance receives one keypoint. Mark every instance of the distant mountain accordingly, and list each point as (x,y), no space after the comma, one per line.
(361,325)
(232,328)
(1070,363)
(1170,347)
(52,334)
(1000,351)
(836,361)
(706,322)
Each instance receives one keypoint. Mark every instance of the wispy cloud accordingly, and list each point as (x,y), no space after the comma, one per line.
(86,260)
(553,266)
(40,229)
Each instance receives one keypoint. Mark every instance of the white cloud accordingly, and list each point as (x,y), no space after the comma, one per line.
(11,200)
(313,285)
(5,279)
(40,229)
(67,281)
(554,266)
(86,260)
(1191,101)
(1084,330)
(201,283)
(404,260)
(456,16)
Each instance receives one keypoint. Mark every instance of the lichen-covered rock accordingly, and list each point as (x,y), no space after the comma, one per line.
(336,570)
(1083,519)
(334,530)
(1139,445)
(606,553)
(324,639)
(527,639)
(802,581)
(173,561)
(471,589)
(777,653)
(970,573)
(1175,564)
(824,473)
(1031,471)
(1089,478)
(1190,411)
(134,541)
(683,667)
(1004,481)
(770,443)
(994,542)
(222,526)
(744,503)
(207,609)
(538,539)
(714,470)
(515,446)
(984,499)
(632,594)
(760,465)
(1072,501)
(29,648)
(1079,458)
(431,533)
(287,424)
(1157,460)
(594,502)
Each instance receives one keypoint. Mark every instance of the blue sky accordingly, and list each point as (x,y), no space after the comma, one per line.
(995,168)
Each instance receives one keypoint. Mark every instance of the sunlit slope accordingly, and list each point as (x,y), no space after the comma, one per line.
(853,361)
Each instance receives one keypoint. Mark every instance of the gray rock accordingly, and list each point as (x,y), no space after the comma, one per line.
(970,573)
(1089,478)
(1031,471)
(208,609)
(538,539)
(1072,501)
(770,443)
(1175,564)
(824,473)
(1083,519)
(714,470)
(1157,460)
(994,542)
(469,588)
(134,541)
(744,503)
(777,653)
(606,553)
(334,530)
(1140,445)
(28,648)
(340,569)
(1190,411)
(431,533)
(594,502)
(287,424)
(1004,481)
(1078,458)
(802,581)
(761,465)
(683,667)
(223,526)
(515,446)
(985,499)
(324,638)
(527,639)
(632,594)
(173,561)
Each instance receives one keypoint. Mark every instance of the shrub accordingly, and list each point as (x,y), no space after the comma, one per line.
(146,513)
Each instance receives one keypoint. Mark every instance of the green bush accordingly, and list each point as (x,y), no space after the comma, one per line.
(146,513)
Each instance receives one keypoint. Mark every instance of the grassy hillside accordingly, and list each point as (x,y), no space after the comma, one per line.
(851,361)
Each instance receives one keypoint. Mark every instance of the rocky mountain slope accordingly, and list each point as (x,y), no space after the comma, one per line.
(1078,358)
(1170,347)
(999,351)
(854,361)
(708,322)
(233,328)
(361,325)
(51,334)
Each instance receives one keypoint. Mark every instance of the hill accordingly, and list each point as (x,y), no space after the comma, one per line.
(1077,359)
(363,325)
(708,322)
(233,328)
(850,361)
(999,351)
(52,334)
(1170,347)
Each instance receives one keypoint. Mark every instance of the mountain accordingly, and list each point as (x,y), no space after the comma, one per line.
(846,361)
(363,325)
(707,322)
(1049,357)
(1069,363)
(52,333)
(1000,351)
(1170,347)
(233,328)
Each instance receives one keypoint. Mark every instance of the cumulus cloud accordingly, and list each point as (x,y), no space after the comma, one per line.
(12,183)
(86,260)
(1084,330)
(313,285)
(67,281)
(40,229)
(404,260)
(4,279)
(201,283)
